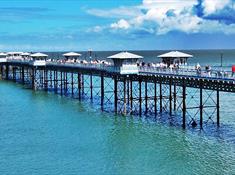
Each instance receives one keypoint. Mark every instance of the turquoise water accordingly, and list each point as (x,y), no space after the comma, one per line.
(43,133)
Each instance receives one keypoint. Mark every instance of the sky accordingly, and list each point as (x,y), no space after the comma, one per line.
(79,25)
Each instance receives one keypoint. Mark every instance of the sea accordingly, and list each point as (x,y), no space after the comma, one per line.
(43,133)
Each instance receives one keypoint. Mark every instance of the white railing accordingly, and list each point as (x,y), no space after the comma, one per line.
(218,74)
(187,71)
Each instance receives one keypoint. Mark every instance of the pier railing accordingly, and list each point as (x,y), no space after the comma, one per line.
(218,74)
(189,72)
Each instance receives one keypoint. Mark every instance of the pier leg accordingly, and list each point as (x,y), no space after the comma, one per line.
(218,108)
(160,91)
(61,83)
(14,73)
(184,107)
(91,87)
(51,79)
(7,72)
(140,98)
(22,75)
(128,92)
(45,80)
(131,95)
(55,80)
(82,83)
(115,95)
(33,79)
(65,83)
(146,97)
(72,84)
(174,97)
(102,91)
(124,96)
(170,96)
(155,98)
(201,108)
(79,86)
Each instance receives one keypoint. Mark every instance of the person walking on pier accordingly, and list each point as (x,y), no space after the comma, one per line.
(208,70)
(233,70)
(198,69)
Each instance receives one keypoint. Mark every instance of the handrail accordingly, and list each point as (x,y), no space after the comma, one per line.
(186,72)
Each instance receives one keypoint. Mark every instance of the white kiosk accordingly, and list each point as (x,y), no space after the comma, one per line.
(125,62)
(39,59)
(175,57)
(3,57)
(72,55)
(25,56)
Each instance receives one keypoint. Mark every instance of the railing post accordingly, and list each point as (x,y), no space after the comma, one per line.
(201,105)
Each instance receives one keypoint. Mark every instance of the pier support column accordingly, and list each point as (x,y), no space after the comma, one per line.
(7,72)
(146,97)
(218,108)
(155,97)
(184,107)
(14,73)
(22,75)
(102,91)
(174,95)
(140,98)
(65,83)
(45,80)
(201,106)
(160,91)
(61,83)
(55,80)
(72,84)
(79,86)
(50,79)
(91,87)
(115,95)
(170,96)
(131,95)
(33,79)
(124,96)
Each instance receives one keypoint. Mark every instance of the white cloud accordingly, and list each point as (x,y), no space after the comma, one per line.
(121,24)
(163,16)
(211,6)
(121,12)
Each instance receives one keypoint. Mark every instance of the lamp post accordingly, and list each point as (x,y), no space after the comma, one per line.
(221,59)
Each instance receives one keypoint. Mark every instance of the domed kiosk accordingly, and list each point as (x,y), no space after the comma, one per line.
(125,62)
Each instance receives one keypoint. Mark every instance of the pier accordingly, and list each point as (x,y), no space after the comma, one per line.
(183,94)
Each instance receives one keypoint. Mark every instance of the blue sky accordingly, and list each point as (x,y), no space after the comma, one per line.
(67,25)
